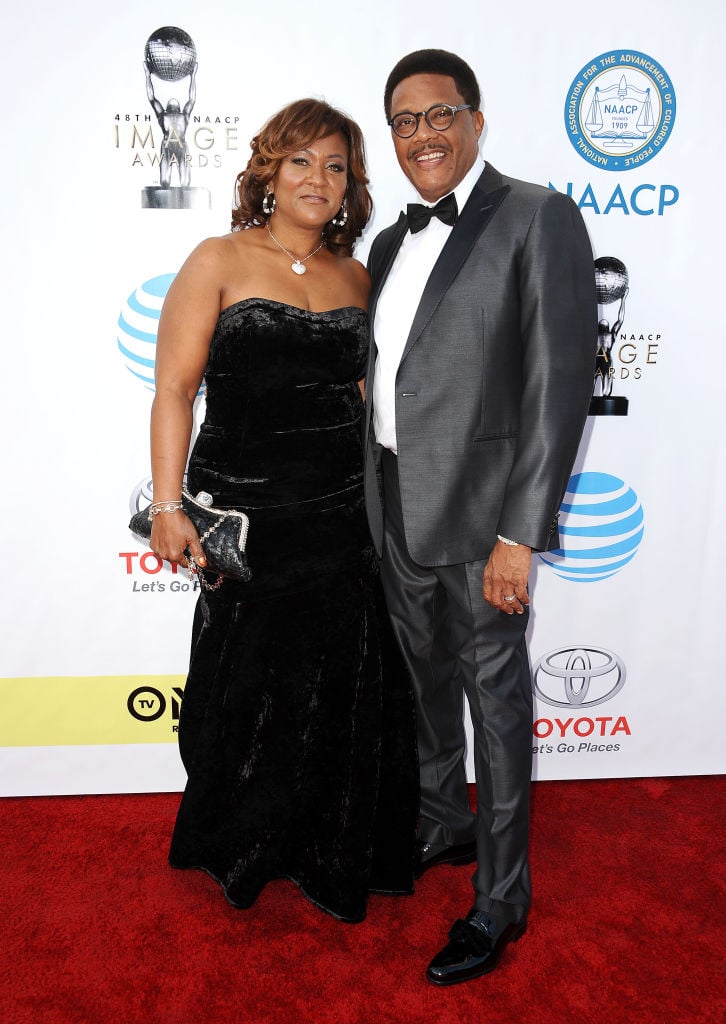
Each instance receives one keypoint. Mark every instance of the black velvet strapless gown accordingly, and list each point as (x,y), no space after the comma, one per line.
(297,726)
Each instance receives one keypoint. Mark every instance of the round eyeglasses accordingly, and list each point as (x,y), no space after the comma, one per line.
(439,117)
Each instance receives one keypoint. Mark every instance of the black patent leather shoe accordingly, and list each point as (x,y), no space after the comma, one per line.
(471,952)
(428,855)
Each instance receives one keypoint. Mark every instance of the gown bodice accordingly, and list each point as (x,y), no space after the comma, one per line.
(284,409)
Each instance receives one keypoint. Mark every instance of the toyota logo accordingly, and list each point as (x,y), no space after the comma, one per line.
(578,677)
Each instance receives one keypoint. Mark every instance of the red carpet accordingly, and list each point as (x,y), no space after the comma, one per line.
(626,925)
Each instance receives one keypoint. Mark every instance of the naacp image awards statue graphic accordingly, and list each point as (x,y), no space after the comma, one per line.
(612,285)
(170,57)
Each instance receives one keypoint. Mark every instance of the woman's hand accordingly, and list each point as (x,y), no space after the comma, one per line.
(171,534)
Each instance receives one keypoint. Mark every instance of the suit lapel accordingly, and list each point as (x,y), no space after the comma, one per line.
(379,267)
(383,264)
(481,206)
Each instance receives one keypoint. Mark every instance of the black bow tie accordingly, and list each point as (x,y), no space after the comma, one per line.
(418,216)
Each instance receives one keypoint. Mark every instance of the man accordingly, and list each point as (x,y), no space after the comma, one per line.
(479,381)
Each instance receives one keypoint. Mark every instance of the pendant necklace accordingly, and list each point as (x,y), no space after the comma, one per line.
(297,266)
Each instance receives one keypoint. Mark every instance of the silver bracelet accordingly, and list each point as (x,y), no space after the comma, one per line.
(157,507)
(507,541)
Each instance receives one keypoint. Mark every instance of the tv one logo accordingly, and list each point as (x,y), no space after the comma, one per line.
(149,704)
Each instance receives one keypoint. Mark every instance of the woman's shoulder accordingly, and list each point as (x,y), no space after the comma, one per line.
(354,271)
(353,281)
(222,246)
(220,251)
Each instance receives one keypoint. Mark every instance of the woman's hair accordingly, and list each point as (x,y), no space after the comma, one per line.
(434,62)
(294,128)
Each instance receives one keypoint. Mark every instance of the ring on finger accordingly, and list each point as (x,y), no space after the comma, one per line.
(510,598)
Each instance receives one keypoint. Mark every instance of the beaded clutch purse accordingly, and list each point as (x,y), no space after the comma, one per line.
(222,532)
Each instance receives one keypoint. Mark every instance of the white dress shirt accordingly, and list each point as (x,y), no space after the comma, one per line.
(398,302)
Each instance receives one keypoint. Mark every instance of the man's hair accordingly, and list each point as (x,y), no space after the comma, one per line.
(434,62)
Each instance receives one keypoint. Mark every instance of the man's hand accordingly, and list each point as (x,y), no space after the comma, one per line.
(505,576)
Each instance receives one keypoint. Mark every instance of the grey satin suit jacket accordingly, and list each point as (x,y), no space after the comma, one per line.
(494,384)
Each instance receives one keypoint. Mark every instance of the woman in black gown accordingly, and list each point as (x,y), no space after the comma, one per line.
(296,729)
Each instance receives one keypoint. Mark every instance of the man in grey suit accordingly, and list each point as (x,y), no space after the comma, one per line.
(484,315)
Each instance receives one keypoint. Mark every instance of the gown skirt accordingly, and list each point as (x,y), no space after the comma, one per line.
(297,728)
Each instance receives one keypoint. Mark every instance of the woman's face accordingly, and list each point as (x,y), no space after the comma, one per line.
(310,183)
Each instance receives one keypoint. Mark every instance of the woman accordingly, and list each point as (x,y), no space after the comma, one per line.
(301,763)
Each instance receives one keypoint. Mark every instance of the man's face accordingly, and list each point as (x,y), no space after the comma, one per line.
(435,162)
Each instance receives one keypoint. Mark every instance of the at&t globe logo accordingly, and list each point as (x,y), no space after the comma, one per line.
(601,527)
(138,324)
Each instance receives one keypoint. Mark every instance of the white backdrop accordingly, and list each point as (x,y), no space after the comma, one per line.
(95,639)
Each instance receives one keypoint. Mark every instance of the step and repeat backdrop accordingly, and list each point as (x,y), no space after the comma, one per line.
(122,135)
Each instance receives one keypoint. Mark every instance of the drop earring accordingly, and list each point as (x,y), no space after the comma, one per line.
(341,217)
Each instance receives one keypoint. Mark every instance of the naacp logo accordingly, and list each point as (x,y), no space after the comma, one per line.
(620,110)
(578,677)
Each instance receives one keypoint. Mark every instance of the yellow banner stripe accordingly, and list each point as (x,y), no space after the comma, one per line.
(89,710)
